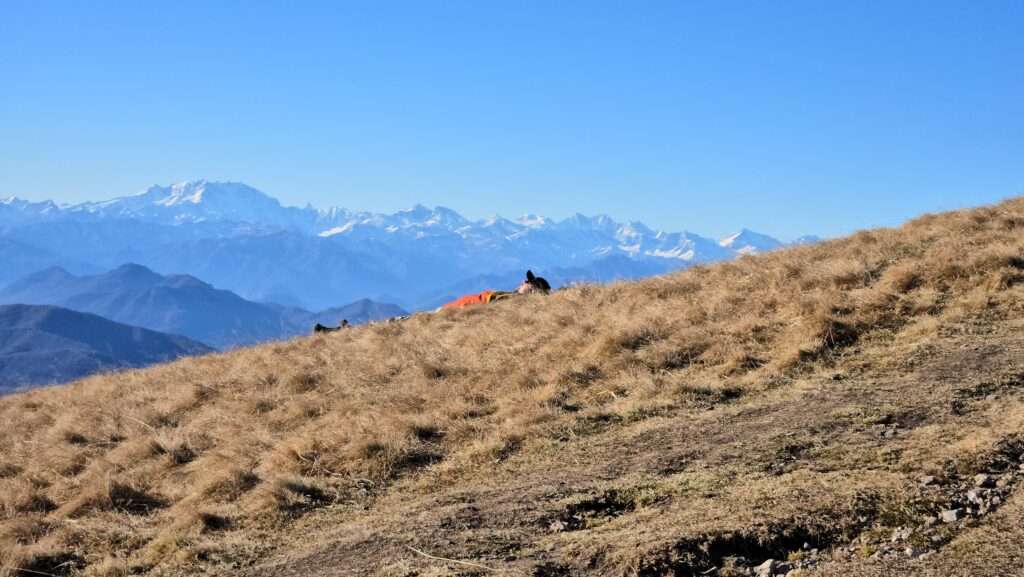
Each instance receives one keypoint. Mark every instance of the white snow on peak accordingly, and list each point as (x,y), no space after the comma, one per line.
(749,242)
(730,240)
(532,221)
(338,230)
(678,253)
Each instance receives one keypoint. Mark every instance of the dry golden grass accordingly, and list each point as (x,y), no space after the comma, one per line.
(200,463)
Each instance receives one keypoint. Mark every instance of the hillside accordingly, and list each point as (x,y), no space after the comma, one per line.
(41,345)
(179,304)
(854,407)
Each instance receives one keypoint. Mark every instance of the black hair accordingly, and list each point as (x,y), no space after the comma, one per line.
(537,281)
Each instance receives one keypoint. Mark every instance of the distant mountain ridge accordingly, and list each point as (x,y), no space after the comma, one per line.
(178,304)
(241,239)
(42,345)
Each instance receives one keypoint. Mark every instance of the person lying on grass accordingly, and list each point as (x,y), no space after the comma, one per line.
(532,284)
(319,328)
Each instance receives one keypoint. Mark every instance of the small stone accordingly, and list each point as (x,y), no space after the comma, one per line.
(772,567)
(983,480)
(930,521)
(951,515)
(976,496)
(928,480)
(766,569)
(915,552)
(901,534)
(996,501)
(991,397)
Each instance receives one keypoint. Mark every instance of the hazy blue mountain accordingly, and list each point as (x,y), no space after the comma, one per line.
(314,272)
(806,239)
(245,241)
(178,304)
(18,259)
(42,345)
(356,313)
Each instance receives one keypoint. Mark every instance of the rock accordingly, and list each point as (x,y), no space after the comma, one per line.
(917,552)
(983,480)
(951,515)
(772,567)
(930,521)
(901,534)
(928,480)
(976,496)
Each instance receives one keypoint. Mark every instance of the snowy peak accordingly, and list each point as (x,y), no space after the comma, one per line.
(218,198)
(749,242)
(422,216)
(198,201)
(533,221)
(15,207)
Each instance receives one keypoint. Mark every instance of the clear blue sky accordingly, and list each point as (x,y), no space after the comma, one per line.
(786,117)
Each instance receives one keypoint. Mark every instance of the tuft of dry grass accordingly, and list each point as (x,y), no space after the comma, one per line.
(163,468)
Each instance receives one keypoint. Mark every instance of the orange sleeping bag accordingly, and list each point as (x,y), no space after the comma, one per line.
(475,299)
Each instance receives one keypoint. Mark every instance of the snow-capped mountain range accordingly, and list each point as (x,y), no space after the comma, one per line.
(241,239)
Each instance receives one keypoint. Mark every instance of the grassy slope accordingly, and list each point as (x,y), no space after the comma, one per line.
(658,427)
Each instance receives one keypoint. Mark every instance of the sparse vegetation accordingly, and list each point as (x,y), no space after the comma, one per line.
(660,427)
